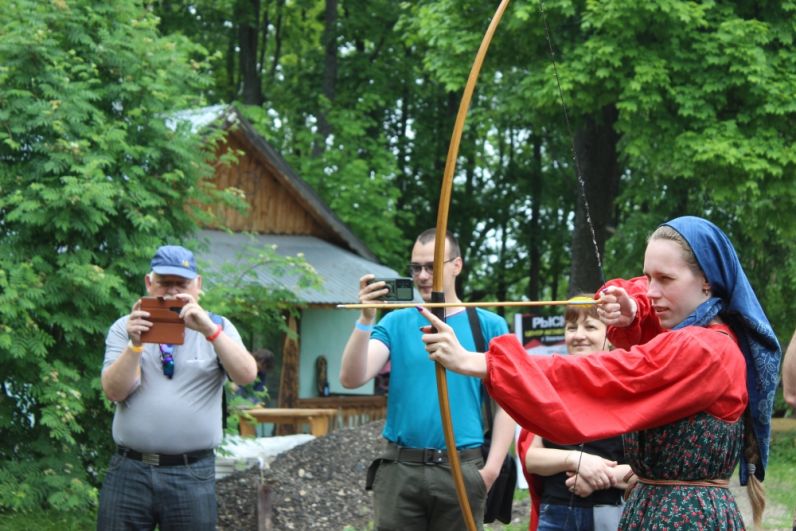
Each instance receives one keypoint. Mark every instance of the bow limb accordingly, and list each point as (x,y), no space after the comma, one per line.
(439,258)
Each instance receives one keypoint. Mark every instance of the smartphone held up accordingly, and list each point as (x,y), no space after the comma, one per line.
(399,289)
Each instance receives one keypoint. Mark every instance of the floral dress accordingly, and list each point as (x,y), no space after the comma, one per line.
(698,448)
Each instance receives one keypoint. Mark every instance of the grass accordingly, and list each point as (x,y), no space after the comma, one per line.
(520,495)
(779,478)
(49,521)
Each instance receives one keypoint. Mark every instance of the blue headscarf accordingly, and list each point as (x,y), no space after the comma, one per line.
(735,302)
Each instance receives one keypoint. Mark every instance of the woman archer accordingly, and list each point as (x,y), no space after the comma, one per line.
(690,382)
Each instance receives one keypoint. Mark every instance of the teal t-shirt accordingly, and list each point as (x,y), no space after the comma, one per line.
(413,416)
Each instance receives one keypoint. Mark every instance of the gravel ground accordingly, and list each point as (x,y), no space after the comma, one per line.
(317,485)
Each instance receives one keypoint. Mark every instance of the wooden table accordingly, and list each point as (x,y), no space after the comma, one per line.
(352,410)
(317,418)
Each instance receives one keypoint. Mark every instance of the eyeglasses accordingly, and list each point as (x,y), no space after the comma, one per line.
(168,284)
(416,269)
(167,360)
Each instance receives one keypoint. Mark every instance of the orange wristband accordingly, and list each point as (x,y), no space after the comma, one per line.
(137,349)
(215,334)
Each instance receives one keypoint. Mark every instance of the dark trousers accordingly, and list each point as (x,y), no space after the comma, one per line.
(136,496)
(421,497)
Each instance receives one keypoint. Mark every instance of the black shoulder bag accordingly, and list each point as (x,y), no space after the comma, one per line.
(501,495)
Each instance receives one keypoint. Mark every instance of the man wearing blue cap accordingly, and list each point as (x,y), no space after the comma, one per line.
(168,406)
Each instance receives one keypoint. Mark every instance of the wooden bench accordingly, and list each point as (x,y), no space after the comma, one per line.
(317,418)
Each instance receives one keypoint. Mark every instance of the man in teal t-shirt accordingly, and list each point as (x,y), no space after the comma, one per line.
(413,486)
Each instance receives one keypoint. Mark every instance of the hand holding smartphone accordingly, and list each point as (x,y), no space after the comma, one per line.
(398,289)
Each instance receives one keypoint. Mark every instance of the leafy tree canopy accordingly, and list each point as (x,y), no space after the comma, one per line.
(92,180)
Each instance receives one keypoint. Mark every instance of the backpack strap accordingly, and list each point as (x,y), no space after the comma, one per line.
(480,346)
(475,327)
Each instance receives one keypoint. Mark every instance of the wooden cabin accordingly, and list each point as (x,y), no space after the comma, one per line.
(284,211)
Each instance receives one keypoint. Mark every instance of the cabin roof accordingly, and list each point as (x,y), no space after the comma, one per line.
(340,269)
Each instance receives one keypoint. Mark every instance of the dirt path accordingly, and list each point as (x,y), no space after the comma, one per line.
(774,514)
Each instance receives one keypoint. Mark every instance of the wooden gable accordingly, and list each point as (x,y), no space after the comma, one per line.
(280,202)
(273,207)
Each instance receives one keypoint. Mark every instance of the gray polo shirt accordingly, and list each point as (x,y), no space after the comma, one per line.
(170,416)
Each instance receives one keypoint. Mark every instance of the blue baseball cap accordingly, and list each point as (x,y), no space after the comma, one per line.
(174,260)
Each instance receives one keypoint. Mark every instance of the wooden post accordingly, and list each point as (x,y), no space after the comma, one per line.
(265,505)
(288,380)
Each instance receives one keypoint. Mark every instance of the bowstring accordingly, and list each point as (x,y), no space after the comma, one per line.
(586,208)
(574,486)
(578,172)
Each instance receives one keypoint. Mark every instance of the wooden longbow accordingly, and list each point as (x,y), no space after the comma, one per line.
(437,295)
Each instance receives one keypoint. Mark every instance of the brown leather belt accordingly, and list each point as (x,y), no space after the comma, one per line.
(721,483)
(164,459)
(426,456)
(632,480)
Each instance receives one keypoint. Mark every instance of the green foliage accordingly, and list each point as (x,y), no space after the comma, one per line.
(353,163)
(703,93)
(241,291)
(779,476)
(91,181)
(515,190)
(236,406)
(704,116)
(706,129)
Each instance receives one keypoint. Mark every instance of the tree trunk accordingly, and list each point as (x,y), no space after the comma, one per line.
(280,7)
(232,78)
(404,106)
(263,47)
(329,74)
(248,16)
(463,226)
(502,288)
(556,261)
(595,147)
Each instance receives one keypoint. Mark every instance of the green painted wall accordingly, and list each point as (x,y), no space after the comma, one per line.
(324,332)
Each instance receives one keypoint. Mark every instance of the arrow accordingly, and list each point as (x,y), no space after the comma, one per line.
(399,305)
